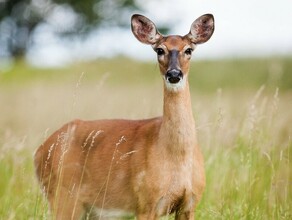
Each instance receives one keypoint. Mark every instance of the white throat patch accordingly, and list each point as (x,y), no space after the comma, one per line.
(175,87)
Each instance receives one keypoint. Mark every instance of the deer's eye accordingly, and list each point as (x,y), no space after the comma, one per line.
(189,51)
(160,51)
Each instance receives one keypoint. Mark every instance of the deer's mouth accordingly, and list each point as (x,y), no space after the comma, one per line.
(173,76)
(175,82)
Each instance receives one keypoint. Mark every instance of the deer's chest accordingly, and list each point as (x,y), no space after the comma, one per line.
(166,185)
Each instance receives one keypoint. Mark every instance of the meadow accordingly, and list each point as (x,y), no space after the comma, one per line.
(242,108)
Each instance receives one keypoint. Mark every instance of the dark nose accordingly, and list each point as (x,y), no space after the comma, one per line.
(173,76)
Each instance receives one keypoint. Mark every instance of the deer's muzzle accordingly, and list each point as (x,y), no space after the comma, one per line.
(173,76)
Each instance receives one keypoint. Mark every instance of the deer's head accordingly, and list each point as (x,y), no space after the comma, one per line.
(173,52)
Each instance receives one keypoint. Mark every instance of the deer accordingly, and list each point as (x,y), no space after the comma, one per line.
(148,168)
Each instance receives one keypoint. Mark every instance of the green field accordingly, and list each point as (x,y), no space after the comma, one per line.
(242,108)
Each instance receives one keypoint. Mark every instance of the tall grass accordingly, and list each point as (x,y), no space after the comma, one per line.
(248,159)
(243,123)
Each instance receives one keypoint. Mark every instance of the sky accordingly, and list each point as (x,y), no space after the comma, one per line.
(242,29)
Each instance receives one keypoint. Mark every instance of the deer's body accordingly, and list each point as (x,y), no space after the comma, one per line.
(148,167)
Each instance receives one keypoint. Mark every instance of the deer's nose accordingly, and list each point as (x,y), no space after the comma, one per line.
(173,76)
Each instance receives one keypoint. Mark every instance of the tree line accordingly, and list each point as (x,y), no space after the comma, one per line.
(20,18)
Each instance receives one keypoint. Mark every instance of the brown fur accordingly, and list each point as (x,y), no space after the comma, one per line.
(150,167)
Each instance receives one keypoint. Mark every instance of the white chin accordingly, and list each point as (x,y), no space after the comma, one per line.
(175,87)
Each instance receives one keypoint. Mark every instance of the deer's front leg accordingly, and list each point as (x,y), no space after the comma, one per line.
(148,212)
(187,215)
(187,209)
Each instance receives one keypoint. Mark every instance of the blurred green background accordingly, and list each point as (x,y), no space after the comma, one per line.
(242,103)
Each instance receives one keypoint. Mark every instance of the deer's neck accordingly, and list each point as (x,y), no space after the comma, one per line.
(177,132)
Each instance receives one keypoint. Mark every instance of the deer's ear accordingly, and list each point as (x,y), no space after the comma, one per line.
(202,29)
(144,29)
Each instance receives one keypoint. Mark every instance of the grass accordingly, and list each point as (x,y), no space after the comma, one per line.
(249,157)
(243,117)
